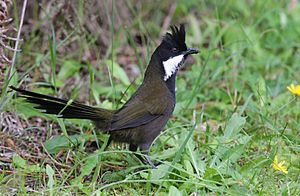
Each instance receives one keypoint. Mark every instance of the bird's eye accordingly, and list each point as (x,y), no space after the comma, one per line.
(174,49)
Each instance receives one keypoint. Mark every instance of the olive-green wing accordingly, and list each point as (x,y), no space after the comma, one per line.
(140,110)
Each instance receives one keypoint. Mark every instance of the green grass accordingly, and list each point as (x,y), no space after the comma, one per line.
(233,112)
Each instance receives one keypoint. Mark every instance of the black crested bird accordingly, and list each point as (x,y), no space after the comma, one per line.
(140,120)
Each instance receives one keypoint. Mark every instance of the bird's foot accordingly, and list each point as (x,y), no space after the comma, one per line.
(148,161)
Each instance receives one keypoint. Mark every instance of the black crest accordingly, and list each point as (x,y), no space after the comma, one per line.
(176,39)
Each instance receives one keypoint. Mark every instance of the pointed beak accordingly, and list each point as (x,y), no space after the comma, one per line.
(191,51)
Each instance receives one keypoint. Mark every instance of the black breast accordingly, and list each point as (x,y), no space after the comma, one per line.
(171,84)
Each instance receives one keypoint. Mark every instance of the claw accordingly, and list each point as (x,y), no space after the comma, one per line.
(148,161)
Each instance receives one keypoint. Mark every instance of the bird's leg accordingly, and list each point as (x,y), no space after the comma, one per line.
(103,147)
(145,159)
(145,150)
(148,161)
(133,148)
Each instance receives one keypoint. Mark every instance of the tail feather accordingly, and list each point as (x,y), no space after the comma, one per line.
(63,108)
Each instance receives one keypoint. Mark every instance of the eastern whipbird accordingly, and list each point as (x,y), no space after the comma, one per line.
(140,120)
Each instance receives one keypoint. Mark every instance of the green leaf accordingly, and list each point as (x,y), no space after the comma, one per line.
(69,68)
(19,162)
(118,72)
(232,154)
(212,174)
(27,109)
(262,91)
(50,172)
(193,156)
(234,126)
(89,165)
(173,191)
(55,144)
(188,166)
(87,168)
(159,173)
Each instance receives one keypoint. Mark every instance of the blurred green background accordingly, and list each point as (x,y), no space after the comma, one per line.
(233,113)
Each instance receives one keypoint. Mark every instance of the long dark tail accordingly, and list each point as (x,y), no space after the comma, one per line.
(66,109)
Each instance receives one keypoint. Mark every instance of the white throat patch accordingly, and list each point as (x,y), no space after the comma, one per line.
(172,65)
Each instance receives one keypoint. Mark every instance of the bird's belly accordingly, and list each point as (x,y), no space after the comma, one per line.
(141,134)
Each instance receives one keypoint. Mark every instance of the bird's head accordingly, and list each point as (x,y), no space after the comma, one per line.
(173,51)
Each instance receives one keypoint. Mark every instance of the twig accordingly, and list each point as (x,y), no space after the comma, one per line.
(4,58)
(168,19)
(9,48)
(9,38)
(6,21)
(17,42)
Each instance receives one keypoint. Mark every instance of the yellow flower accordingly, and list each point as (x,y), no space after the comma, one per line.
(294,89)
(279,166)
